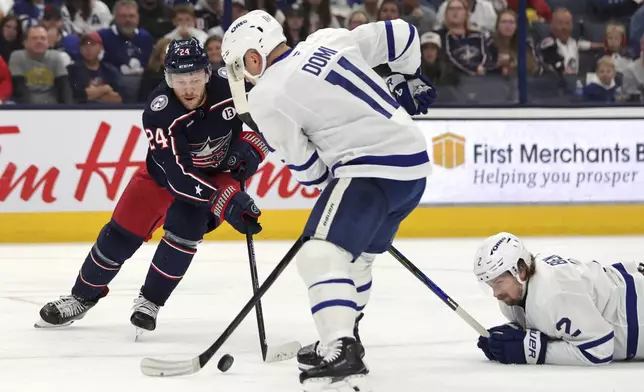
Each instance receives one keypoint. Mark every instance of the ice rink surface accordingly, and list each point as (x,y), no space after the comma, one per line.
(413,341)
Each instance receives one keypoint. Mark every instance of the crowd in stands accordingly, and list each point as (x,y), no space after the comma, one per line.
(107,51)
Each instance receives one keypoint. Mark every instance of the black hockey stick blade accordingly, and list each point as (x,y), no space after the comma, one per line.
(163,368)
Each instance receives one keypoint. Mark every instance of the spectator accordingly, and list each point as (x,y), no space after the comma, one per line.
(541,8)
(433,64)
(208,14)
(481,14)
(92,80)
(603,88)
(423,17)
(506,44)
(318,15)
(185,24)
(156,18)
(30,12)
(616,46)
(270,6)
(357,18)
(238,9)
(369,7)
(154,74)
(633,83)
(5,7)
(295,26)
(465,46)
(10,36)
(499,5)
(52,20)
(389,10)
(605,10)
(88,15)
(213,48)
(636,29)
(560,51)
(6,86)
(126,46)
(38,74)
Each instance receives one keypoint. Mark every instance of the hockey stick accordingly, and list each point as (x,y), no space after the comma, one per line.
(284,351)
(162,368)
(440,293)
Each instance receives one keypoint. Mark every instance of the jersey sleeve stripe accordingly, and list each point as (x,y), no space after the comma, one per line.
(391,42)
(594,359)
(597,342)
(215,106)
(384,95)
(306,165)
(176,156)
(632,319)
(411,160)
(175,190)
(339,80)
(317,181)
(412,33)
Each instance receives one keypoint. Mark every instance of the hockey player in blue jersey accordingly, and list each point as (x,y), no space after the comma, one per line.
(197,155)
(329,116)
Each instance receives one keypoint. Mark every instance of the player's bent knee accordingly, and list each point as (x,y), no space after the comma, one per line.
(362,265)
(319,258)
(116,244)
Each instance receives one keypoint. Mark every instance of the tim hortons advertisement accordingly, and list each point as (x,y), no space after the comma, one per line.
(82,160)
(535,161)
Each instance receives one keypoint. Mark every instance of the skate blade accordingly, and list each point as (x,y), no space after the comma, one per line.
(355,383)
(42,324)
(138,333)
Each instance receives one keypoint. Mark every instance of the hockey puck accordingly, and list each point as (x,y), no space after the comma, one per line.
(225,362)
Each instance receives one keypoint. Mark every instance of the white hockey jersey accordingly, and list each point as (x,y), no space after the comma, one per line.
(590,312)
(323,109)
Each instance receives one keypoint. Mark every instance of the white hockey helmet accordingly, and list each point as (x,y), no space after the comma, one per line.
(498,254)
(257,30)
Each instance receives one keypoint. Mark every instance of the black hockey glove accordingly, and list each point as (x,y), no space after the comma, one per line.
(245,156)
(511,344)
(414,92)
(236,208)
(483,344)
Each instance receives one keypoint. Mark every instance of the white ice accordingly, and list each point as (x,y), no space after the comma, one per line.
(413,341)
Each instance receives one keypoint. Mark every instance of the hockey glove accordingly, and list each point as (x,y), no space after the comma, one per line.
(483,344)
(236,208)
(245,156)
(414,92)
(510,345)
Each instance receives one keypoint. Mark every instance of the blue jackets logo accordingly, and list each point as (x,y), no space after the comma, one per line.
(238,25)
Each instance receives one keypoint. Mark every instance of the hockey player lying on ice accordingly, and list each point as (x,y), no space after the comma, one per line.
(561,311)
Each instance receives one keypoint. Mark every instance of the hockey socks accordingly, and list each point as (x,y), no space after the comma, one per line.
(169,264)
(112,248)
(362,278)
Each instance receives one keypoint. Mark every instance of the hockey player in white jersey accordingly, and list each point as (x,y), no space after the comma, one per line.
(561,311)
(329,116)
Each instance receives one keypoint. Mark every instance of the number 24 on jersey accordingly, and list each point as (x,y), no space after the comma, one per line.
(156,138)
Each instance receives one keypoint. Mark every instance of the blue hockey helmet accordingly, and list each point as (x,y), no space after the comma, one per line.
(186,56)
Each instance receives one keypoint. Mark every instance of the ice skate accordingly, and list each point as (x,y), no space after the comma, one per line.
(64,311)
(342,369)
(312,355)
(144,315)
